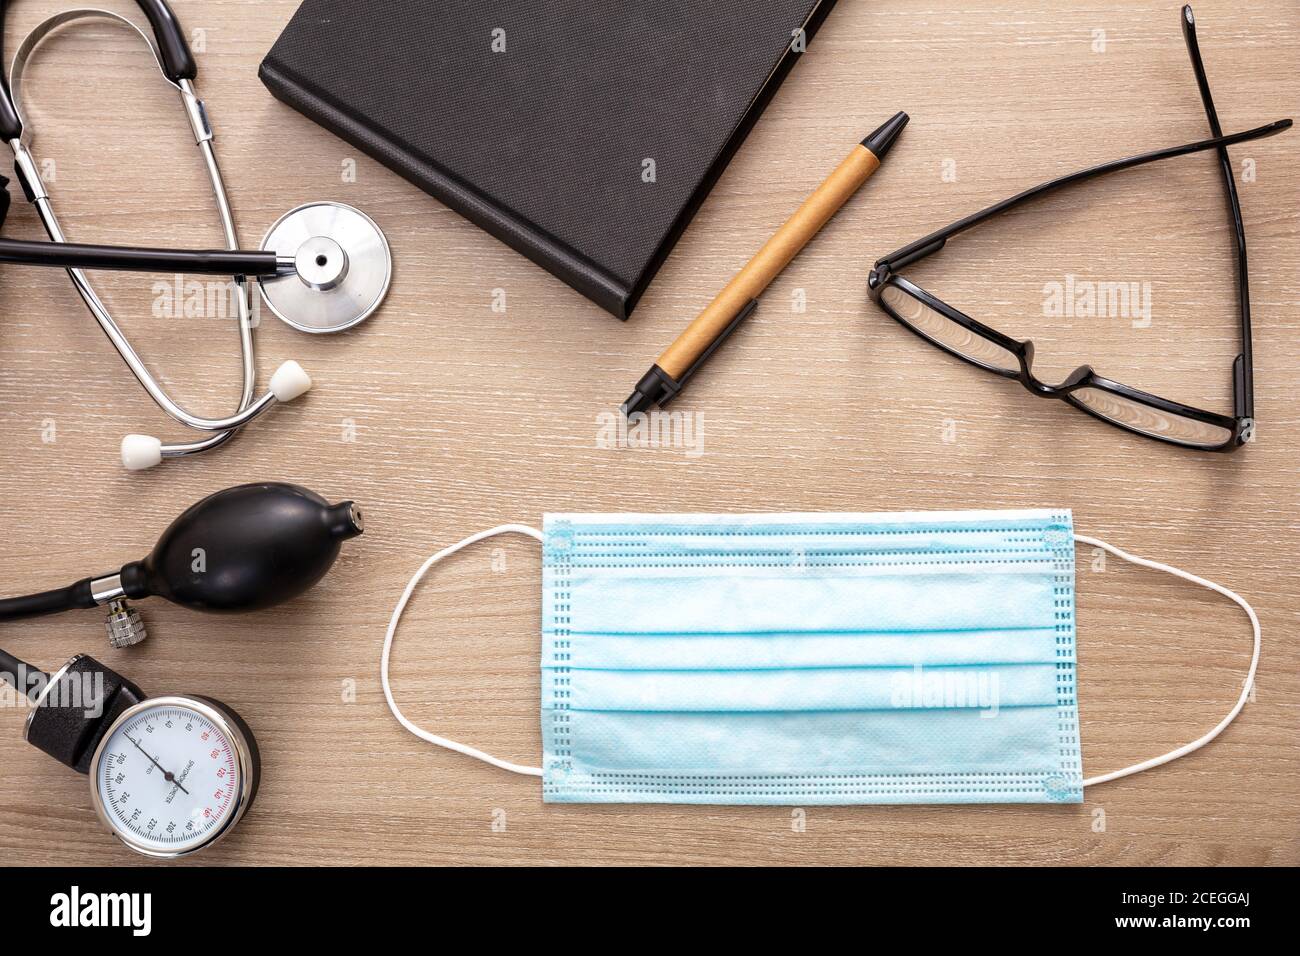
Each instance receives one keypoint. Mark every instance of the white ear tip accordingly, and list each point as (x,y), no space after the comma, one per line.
(289,382)
(140,452)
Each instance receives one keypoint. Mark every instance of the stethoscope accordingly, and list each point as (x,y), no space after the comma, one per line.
(322,267)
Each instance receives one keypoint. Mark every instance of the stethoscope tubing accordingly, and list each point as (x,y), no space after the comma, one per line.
(76,255)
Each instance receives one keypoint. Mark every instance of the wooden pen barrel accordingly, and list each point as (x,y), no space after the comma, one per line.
(775,255)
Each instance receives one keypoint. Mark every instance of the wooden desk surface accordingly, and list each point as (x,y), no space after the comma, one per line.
(442,417)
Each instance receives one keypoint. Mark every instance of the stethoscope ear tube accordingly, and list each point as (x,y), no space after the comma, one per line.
(11,127)
(174,52)
(178,61)
(11,124)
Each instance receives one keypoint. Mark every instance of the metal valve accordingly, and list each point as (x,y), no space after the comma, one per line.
(124,625)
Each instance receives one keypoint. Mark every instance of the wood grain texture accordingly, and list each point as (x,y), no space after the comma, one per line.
(465,417)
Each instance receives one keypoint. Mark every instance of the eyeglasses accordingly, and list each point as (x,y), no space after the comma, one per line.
(1121,405)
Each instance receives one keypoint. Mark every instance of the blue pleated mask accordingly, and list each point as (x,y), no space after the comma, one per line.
(805,659)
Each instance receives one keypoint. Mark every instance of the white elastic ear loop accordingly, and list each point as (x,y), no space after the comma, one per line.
(1245,690)
(388,646)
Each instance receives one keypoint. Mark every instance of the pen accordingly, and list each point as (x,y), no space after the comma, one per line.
(738,300)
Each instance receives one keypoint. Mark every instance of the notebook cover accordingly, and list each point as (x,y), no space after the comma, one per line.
(543,144)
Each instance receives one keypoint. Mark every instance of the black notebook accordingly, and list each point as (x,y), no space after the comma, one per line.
(585,135)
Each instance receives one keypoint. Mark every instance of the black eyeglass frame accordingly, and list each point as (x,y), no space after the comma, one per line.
(1240,424)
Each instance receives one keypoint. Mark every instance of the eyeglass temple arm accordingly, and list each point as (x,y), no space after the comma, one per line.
(1243,367)
(936,240)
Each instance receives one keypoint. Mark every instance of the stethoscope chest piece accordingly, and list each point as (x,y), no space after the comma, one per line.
(342,267)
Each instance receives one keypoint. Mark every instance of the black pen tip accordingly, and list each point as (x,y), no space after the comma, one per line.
(882,139)
(637,403)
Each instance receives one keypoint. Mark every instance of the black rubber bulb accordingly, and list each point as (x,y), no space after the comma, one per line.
(244,549)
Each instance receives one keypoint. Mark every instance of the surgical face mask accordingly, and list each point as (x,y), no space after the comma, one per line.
(809,659)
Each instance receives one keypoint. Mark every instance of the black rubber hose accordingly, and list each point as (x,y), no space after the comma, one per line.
(175,51)
(11,126)
(11,668)
(49,602)
(74,255)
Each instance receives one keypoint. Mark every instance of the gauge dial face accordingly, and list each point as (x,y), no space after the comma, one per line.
(169,776)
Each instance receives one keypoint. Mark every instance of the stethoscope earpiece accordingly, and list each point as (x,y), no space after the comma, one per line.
(142,452)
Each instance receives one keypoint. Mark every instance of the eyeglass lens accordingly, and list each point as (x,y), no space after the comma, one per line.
(943,331)
(1148,419)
